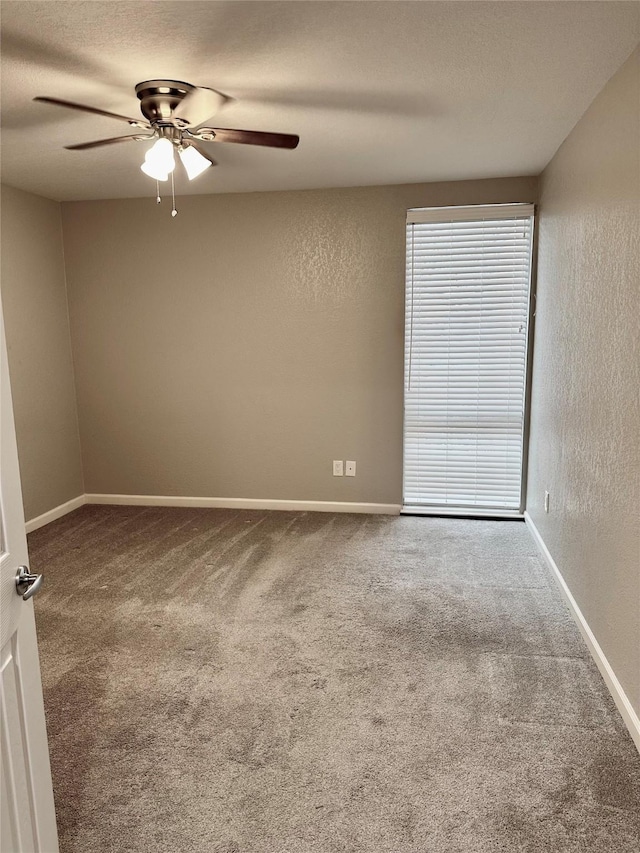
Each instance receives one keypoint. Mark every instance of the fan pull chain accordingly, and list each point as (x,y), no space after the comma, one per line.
(174,212)
(158,199)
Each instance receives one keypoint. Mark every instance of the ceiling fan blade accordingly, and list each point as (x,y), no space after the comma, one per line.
(201,150)
(83,146)
(248,137)
(134,122)
(199,105)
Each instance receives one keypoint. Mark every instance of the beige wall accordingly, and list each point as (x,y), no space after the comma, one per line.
(586,415)
(34,302)
(236,350)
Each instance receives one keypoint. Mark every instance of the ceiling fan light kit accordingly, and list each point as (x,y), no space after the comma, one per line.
(173,112)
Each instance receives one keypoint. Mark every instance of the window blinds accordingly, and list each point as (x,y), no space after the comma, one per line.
(467,313)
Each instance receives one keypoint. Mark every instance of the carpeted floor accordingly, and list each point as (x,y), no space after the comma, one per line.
(222,681)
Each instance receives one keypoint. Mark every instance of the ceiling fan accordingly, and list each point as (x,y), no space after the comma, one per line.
(173,114)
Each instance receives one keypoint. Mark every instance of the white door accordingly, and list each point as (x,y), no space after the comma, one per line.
(27,813)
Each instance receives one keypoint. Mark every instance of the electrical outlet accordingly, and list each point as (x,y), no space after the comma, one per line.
(338,469)
(546,501)
(350,469)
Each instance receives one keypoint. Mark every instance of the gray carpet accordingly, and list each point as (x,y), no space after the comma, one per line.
(222,681)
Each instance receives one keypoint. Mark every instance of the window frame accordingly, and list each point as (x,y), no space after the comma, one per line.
(475,213)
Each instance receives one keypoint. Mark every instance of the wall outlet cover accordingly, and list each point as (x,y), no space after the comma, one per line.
(337,468)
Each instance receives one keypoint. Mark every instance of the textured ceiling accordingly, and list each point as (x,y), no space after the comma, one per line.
(379,92)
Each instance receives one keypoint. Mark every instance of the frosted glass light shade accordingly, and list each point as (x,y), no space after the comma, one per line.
(193,162)
(159,160)
(154,171)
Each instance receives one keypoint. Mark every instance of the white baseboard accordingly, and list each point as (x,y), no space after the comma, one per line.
(220,503)
(55,513)
(623,704)
(244,503)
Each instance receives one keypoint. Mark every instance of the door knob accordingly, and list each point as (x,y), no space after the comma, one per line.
(27,584)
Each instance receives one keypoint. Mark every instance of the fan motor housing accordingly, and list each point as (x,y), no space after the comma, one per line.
(159,98)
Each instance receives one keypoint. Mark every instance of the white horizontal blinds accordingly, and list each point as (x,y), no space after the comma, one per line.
(467,306)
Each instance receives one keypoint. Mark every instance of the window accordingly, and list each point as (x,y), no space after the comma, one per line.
(467,319)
